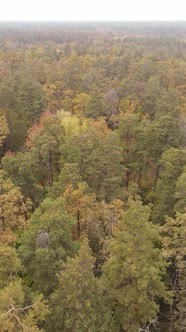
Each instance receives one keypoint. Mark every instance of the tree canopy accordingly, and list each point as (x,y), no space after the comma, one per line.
(92,177)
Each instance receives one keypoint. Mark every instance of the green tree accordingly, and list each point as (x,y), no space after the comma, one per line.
(10,265)
(94,105)
(174,249)
(44,141)
(69,175)
(103,169)
(20,310)
(172,164)
(18,130)
(180,193)
(160,135)
(130,131)
(98,154)
(21,168)
(22,93)
(79,303)
(16,315)
(46,244)
(152,93)
(133,273)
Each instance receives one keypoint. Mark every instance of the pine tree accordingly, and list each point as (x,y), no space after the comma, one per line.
(79,304)
(134,270)
(20,310)
(172,164)
(47,243)
(174,245)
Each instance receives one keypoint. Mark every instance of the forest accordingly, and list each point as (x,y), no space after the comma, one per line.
(93,177)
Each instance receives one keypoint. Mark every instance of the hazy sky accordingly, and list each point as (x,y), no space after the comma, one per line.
(86,10)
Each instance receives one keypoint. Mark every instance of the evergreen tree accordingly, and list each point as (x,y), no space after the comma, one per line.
(94,105)
(20,309)
(180,193)
(79,304)
(133,273)
(47,243)
(172,164)
(174,249)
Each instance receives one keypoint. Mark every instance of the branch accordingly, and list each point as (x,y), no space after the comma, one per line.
(17,318)
(17,309)
(12,312)
(146,328)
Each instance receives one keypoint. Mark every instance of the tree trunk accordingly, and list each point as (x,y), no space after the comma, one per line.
(2,217)
(156,176)
(50,169)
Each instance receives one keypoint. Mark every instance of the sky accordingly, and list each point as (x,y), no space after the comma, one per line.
(92,10)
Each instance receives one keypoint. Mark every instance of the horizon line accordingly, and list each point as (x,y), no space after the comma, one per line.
(89,21)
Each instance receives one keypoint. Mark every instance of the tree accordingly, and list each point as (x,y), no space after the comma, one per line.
(172,164)
(15,315)
(111,103)
(160,135)
(54,92)
(98,154)
(152,93)
(103,169)
(69,176)
(20,310)
(26,96)
(4,130)
(44,140)
(83,206)
(10,265)
(14,210)
(94,105)
(21,168)
(16,138)
(130,131)
(133,273)
(79,303)
(79,103)
(180,193)
(174,250)
(46,244)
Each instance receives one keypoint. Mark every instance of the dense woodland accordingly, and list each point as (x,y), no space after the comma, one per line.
(93,177)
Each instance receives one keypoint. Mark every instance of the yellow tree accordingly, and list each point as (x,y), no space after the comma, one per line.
(79,103)
(84,207)
(14,210)
(19,310)
(4,130)
(94,220)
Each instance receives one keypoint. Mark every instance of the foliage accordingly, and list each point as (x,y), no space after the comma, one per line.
(43,262)
(133,273)
(14,210)
(79,302)
(4,131)
(174,249)
(90,115)
(172,163)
